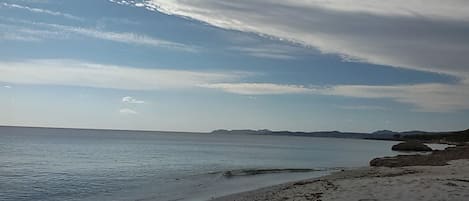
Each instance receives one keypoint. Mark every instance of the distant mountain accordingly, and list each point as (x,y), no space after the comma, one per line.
(454,137)
(385,132)
(331,134)
(242,132)
(377,135)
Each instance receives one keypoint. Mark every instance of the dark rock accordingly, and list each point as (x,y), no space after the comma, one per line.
(436,158)
(411,146)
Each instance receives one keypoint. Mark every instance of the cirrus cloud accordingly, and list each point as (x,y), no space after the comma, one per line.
(425,97)
(423,35)
(431,36)
(40,10)
(85,74)
(432,97)
(59,31)
(259,88)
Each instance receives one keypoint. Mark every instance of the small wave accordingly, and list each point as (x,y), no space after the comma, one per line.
(252,172)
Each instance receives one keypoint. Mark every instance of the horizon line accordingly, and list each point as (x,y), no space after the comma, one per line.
(208,132)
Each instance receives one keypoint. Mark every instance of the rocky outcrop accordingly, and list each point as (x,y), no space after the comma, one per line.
(436,158)
(411,146)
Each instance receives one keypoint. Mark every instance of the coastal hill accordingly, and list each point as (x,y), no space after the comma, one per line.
(450,137)
(457,136)
(332,134)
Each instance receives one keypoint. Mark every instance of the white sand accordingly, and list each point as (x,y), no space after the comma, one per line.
(425,183)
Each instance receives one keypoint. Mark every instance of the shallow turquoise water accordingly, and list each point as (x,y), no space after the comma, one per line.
(65,164)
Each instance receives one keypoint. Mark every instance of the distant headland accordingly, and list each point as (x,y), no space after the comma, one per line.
(449,137)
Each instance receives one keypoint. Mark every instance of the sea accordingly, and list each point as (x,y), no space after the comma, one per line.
(39,164)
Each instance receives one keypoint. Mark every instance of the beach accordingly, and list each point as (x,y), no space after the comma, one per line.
(439,182)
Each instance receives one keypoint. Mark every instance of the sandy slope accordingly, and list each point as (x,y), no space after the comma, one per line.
(427,183)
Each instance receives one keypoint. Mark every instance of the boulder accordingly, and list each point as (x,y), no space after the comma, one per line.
(411,146)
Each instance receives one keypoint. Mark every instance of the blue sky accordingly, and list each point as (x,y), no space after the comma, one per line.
(203,65)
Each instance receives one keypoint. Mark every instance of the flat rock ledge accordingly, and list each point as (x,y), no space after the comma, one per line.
(436,158)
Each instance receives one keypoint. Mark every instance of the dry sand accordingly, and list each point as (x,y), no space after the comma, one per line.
(413,183)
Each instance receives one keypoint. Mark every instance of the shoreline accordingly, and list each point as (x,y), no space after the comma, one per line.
(441,181)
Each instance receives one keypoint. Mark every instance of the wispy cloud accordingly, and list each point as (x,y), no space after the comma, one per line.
(451,9)
(421,35)
(426,97)
(5,36)
(19,33)
(259,88)
(124,37)
(268,51)
(431,97)
(124,2)
(127,111)
(38,31)
(84,74)
(427,35)
(40,10)
(131,100)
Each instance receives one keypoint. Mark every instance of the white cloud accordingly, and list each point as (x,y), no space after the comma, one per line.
(18,33)
(40,10)
(57,31)
(78,73)
(263,53)
(127,111)
(425,97)
(7,87)
(125,37)
(427,35)
(450,9)
(259,88)
(124,2)
(269,51)
(131,100)
(17,37)
(139,4)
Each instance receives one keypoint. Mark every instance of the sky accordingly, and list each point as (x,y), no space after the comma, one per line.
(200,65)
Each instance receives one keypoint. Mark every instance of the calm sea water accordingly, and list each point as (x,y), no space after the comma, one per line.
(65,164)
